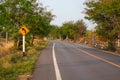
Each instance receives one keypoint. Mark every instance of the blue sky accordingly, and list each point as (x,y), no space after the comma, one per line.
(66,10)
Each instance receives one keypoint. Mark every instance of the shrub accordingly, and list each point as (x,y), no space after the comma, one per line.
(15,58)
(111,47)
(20,65)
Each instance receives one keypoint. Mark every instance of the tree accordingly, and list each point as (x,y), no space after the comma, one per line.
(54,32)
(66,30)
(106,14)
(73,30)
(80,29)
(15,13)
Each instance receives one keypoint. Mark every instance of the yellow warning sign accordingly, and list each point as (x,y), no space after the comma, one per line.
(23,30)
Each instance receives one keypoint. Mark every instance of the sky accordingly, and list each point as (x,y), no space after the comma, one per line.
(67,10)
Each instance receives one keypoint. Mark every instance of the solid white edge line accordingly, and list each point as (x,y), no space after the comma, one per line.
(57,71)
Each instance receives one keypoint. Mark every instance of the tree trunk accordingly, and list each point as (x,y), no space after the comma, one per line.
(6,37)
(32,40)
(75,38)
(118,42)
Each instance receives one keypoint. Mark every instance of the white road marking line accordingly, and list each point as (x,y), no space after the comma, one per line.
(57,71)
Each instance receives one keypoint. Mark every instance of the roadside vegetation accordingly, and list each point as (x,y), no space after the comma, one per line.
(106,35)
(69,31)
(16,13)
(13,66)
(106,14)
(13,15)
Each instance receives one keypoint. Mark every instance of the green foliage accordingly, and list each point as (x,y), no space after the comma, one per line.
(8,73)
(15,13)
(73,30)
(15,58)
(54,32)
(107,16)
(69,30)
(111,47)
(19,65)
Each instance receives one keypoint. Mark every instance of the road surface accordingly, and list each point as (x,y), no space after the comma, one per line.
(70,61)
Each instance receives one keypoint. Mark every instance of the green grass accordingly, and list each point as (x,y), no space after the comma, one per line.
(16,67)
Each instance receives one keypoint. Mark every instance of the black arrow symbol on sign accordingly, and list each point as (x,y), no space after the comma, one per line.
(24,30)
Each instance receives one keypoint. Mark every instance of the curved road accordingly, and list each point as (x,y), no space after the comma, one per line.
(70,61)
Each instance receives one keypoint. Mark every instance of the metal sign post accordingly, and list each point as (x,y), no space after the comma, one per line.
(23,30)
(24,54)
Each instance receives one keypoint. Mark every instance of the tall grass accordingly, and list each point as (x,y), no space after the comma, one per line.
(16,67)
(5,47)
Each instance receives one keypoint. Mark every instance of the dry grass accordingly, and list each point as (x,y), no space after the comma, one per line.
(5,53)
(13,65)
(24,77)
(5,47)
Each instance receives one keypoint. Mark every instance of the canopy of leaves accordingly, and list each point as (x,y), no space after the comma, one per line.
(15,13)
(70,30)
(107,15)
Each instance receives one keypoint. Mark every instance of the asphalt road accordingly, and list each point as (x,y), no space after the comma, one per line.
(70,61)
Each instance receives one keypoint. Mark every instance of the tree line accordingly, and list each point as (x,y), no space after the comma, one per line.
(106,14)
(15,13)
(69,31)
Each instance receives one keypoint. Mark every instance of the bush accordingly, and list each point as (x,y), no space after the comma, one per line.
(15,58)
(19,65)
(8,73)
(111,47)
